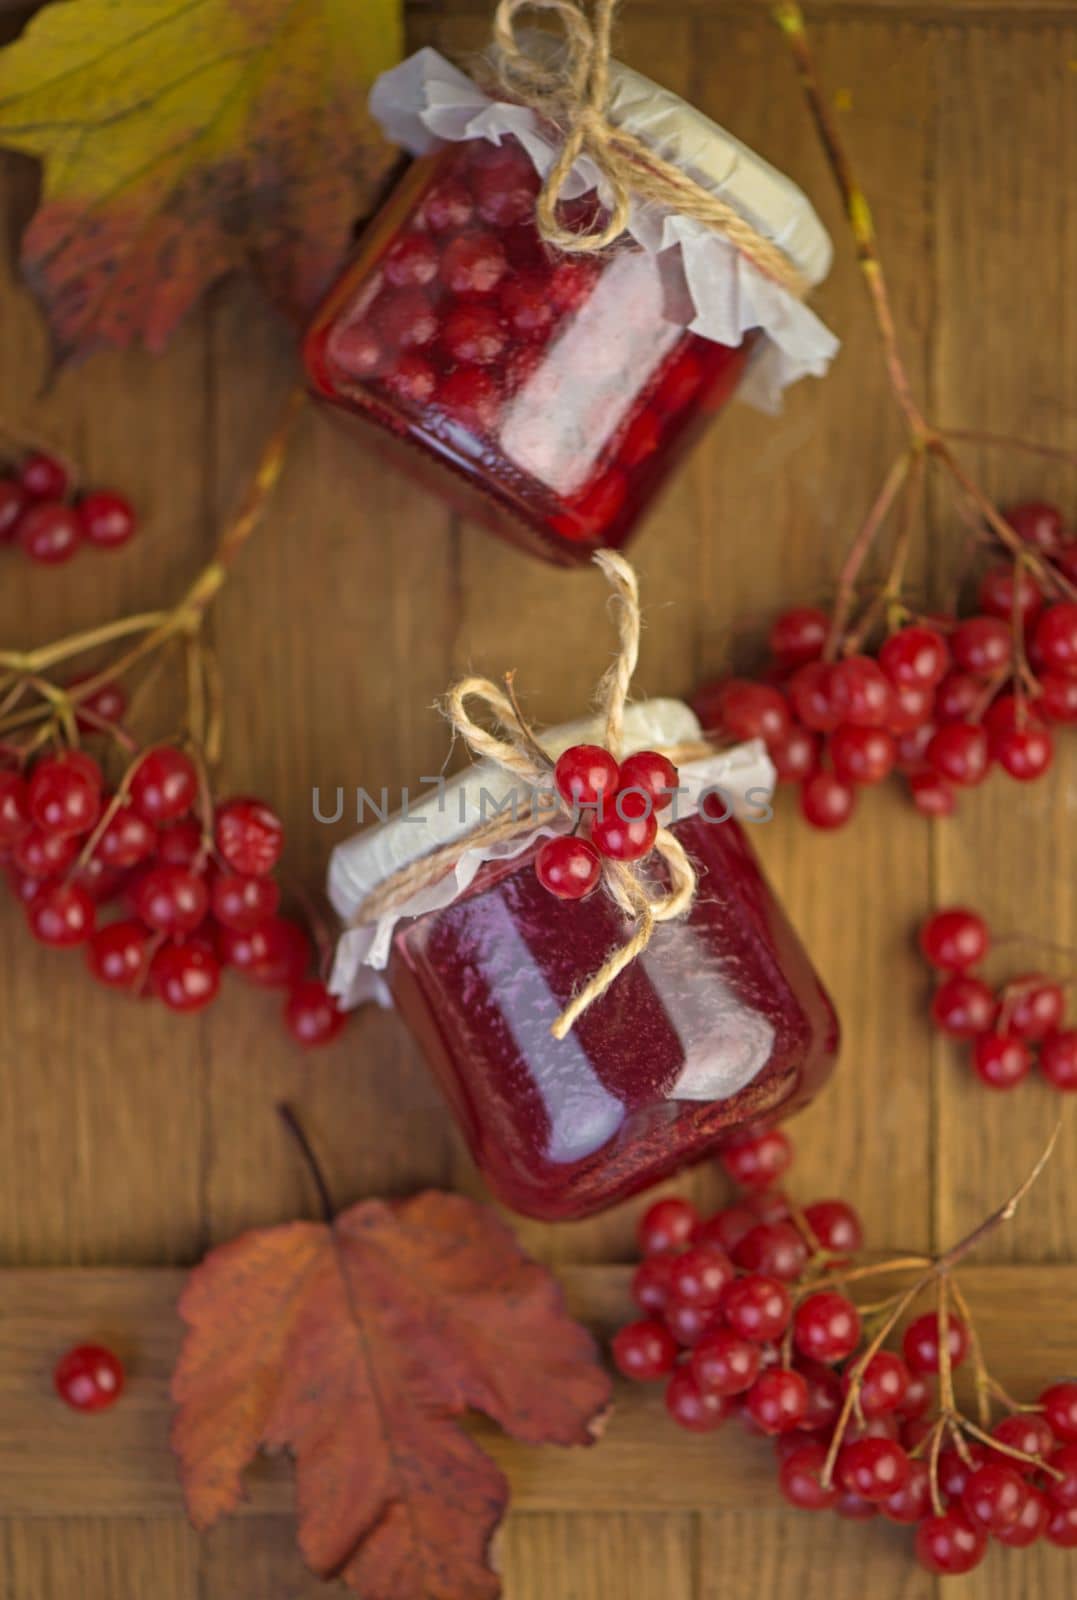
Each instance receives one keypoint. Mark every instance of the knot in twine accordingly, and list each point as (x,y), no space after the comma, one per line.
(515,748)
(574,94)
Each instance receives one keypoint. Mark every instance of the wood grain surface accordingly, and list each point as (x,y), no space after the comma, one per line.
(132,1139)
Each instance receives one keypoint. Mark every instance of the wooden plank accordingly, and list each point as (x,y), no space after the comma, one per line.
(780,1552)
(588,1557)
(119,1558)
(54,1462)
(1013,850)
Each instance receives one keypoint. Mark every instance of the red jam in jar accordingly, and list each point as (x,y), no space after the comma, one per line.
(547,395)
(720,1023)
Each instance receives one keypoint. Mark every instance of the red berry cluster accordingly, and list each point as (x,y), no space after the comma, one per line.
(192,896)
(39,512)
(458,314)
(621,802)
(1008,1028)
(940,702)
(743,1315)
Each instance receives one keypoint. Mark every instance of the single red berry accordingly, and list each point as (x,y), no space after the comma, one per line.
(1061,1529)
(127,840)
(836,1226)
(243,902)
(1056,638)
(725,1363)
(1027,1431)
(171,899)
(726,1228)
(777,1400)
(1032,1007)
(932,795)
(475,334)
(411,261)
(651,1283)
(448,206)
(798,635)
(862,755)
(404,319)
(312,1015)
(1032,1520)
(568,867)
(964,1006)
(955,1470)
(62,915)
(1025,753)
(1037,523)
(796,756)
(107,703)
(689,1324)
(915,656)
(800,1478)
(690,1407)
(700,1275)
(655,774)
(874,1469)
(13,502)
(826,1327)
(474,263)
(410,379)
(982,646)
(644,1350)
(756,1160)
(38,854)
(757,1308)
(65,793)
(955,939)
(1058,698)
(958,752)
(274,955)
(1061,1487)
(44,476)
(912,709)
(50,533)
(753,710)
(884,1384)
(1058,1059)
(776,1249)
(912,1502)
(164,785)
(471,398)
(860,692)
(116,955)
(993,1496)
(14,808)
(917,1398)
(108,520)
(824,1394)
(620,838)
(89,1378)
(666,1225)
(1000,1062)
(811,694)
(999,588)
(826,801)
(526,306)
(185,976)
(950,1544)
(921,1343)
(585,774)
(249,836)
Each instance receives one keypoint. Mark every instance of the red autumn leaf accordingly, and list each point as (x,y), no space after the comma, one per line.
(354,1346)
(181,142)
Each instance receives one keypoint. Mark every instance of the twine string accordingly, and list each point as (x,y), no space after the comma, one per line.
(574,93)
(513,746)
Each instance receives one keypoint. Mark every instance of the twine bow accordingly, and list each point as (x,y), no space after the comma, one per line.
(574,94)
(515,748)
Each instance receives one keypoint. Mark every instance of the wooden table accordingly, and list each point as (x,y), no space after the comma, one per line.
(132,1139)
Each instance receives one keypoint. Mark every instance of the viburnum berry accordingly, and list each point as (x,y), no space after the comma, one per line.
(775,1249)
(800,1478)
(795,755)
(1027,1431)
(38,854)
(912,1502)
(1061,1529)
(798,635)
(49,532)
(89,1378)
(932,795)
(14,807)
(921,1343)
(993,1496)
(405,319)
(164,785)
(242,902)
(884,1383)
(650,771)
(1037,523)
(65,793)
(1002,586)
(860,692)
(955,1469)
(862,755)
(651,1283)
(623,838)
(249,836)
(755,1160)
(756,1307)
(1058,1059)
(185,976)
(474,263)
(107,519)
(585,774)
(725,1363)
(911,710)
(836,1227)
(127,839)
(171,900)
(1031,1522)
(644,1350)
(811,693)
(824,1394)
(752,710)
(982,646)
(1058,698)
(958,752)
(1056,638)
(1059,1405)
(568,867)
(1061,1487)
(700,1275)
(44,476)
(964,1006)
(13,502)
(312,1015)
(666,1225)
(1025,753)
(777,1400)
(62,915)
(950,1544)
(915,656)
(690,1323)
(117,954)
(726,1228)
(872,1468)
(826,1327)
(955,939)
(1001,1061)
(475,334)
(1033,1007)
(826,801)
(698,1410)
(275,955)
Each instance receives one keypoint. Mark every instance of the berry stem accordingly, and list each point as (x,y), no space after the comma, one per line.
(299,1134)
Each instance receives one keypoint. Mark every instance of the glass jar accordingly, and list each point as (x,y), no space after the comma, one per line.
(547,396)
(721,1022)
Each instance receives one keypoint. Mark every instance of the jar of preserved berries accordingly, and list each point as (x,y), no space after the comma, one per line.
(720,1023)
(549,395)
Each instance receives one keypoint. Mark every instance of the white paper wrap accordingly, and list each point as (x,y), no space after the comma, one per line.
(426,100)
(744,775)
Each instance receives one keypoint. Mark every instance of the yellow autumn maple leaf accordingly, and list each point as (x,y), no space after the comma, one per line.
(185,139)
